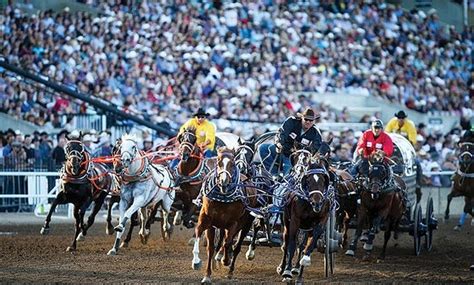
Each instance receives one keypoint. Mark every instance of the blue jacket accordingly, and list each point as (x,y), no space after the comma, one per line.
(292,131)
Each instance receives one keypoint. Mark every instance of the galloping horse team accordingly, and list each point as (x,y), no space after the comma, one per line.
(235,193)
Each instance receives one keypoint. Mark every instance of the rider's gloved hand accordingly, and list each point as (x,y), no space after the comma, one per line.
(279,147)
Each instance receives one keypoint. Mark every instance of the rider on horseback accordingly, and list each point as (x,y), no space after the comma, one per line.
(295,130)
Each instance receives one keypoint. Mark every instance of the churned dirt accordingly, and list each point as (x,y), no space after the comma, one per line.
(26,256)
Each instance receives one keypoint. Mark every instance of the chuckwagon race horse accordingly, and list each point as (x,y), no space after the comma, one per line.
(82,182)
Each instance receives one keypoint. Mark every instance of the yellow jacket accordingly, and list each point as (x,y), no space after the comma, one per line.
(205,131)
(408,129)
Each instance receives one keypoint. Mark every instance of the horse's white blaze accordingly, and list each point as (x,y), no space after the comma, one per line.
(315,177)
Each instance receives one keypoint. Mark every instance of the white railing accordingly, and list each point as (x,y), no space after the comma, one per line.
(37,193)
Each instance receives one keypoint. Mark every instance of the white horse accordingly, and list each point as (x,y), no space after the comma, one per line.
(144,185)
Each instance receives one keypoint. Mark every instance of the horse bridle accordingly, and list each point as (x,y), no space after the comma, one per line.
(241,160)
(224,171)
(324,195)
(185,142)
(301,167)
(132,155)
(77,154)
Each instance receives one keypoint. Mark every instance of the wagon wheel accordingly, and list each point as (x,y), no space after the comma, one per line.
(329,255)
(429,223)
(417,233)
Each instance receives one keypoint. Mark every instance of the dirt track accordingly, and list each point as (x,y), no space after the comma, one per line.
(30,257)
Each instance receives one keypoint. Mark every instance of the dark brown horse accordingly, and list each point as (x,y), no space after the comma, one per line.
(306,210)
(189,174)
(381,202)
(463,179)
(224,207)
(82,182)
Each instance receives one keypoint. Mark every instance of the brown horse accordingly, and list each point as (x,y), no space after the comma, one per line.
(306,209)
(381,202)
(82,182)
(189,174)
(463,179)
(224,207)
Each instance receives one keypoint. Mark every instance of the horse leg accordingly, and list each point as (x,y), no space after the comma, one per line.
(345,229)
(90,220)
(295,271)
(284,247)
(218,246)
(150,219)
(388,230)
(450,197)
(250,254)
(125,215)
(358,233)
(228,240)
(166,204)
(201,226)
(134,221)
(243,233)
(77,218)
(60,199)
(144,233)
(210,235)
(110,228)
(293,233)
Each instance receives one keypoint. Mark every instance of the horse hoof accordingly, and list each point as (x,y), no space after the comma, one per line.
(70,249)
(368,246)
(44,231)
(80,237)
(350,252)
(380,259)
(230,275)
(295,271)
(287,274)
(364,238)
(206,280)
(286,280)
(124,244)
(109,231)
(250,255)
(118,228)
(143,239)
(197,265)
(112,252)
(279,270)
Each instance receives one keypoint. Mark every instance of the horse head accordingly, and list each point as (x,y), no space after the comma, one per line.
(187,142)
(316,181)
(378,175)
(225,167)
(117,164)
(243,156)
(302,159)
(128,150)
(377,157)
(75,157)
(465,154)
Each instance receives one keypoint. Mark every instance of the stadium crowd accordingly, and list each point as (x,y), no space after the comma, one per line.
(239,60)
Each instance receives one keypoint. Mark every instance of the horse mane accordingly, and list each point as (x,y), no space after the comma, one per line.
(225,149)
(190,129)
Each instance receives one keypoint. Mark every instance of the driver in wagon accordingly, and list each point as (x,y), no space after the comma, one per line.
(371,140)
(295,130)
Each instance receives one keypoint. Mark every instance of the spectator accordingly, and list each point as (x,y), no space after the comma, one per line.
(58,154)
